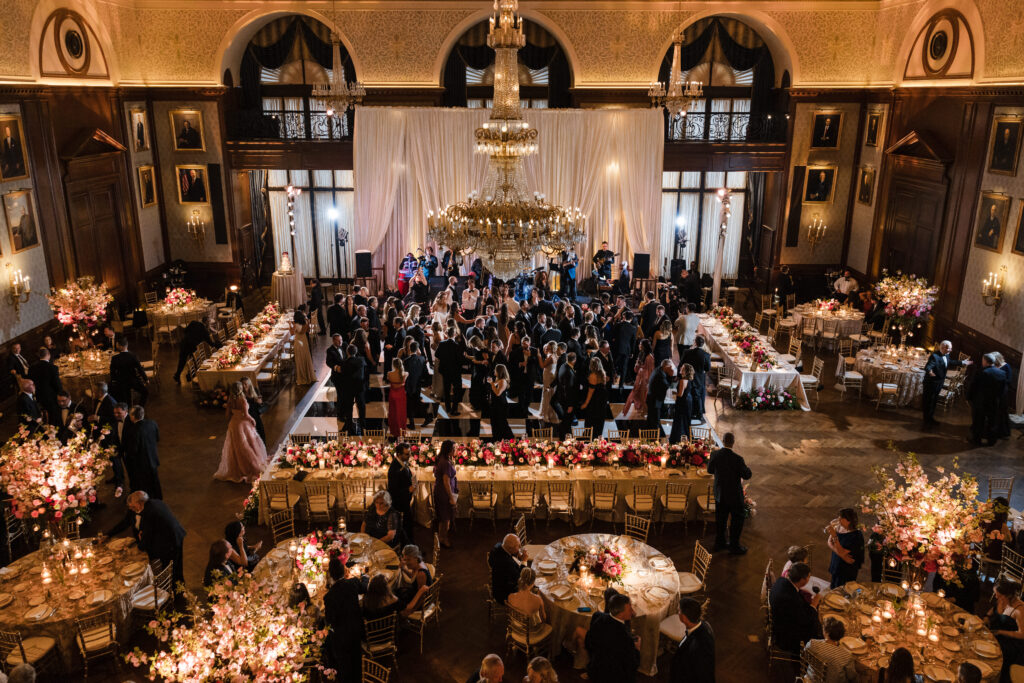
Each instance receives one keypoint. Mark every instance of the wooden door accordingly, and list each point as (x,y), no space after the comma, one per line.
(913,226)
(97,235)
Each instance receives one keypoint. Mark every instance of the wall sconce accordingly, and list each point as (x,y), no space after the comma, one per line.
(20,289)
(816,231)
(992,290)
(197,227)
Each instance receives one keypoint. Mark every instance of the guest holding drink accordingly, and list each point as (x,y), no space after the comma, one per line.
(846,541)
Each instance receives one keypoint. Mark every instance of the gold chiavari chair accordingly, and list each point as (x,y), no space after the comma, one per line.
(637,527)
(374,672)
(524,498)
(429,612)
(694,581)
(560,501)
(812,381)
(814,667)
(321,503)
(758,321)
(435,558)
(676,502)
(484,502)
(850,379)
(542,433)
(795,347)
(614,435)
(375,435)
(96,638)
(357,496)
(42,652)
(1000,487)
(522,635)
(602,501)
(153,597)
(702,433)
(888,389)
(1013,564)
(893,571)
(277,495)
(494,608)
(829,333)
(379,638)
(641,501)
(300,439)
(706,506)
(583,433)
(650,435)
(282,525)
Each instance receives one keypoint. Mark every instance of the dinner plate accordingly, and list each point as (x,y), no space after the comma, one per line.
(321,474)
(892,590)
(939,674)
(38,613)
(120,543)
(21,587)
(481,474)
(950,631)
(854,645)
(660,562)
(8,572)
(281,474)
(951,645)
(546,566)
(560,592)
(104,560)
(106,576)
(76,594)
(933,600)
(865,608)
(523,474)
(852,587)
(985,648)
(134,569)
(100,596)
(6,599)
(36,600)
(278,554)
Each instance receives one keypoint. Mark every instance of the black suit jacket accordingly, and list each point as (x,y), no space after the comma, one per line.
(613,657)
(28,408)
(399,481)
(47,380)
(159,534)
(341,609)
(335,358)
(414,368)
(701,362)
(730,470)
(126,370)
(553,334)
(505,572)
(353,375)
(657,386)
(623,336)
(567,392)
(694,661)
(794,621)
(17,364)
(935,370)
(336,317)
(195,333)
(449,358)
(988,387)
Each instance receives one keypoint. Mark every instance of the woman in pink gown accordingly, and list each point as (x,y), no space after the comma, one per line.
(396,398)
(643,368)
(244,455)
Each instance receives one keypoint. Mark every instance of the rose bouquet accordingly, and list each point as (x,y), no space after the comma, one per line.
(827,305)
(80,304)
(908,301)
(722,313)
(315,551)
(602,563)
(180,297)
(761,357)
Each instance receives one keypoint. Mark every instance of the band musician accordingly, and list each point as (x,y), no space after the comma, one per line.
(603,261)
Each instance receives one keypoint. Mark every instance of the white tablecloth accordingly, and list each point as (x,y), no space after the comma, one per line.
(82,370)
(872,363)
(783,377)
(373,557)
(211,376)
(163,314)
(850,322)
(288,289)
(638,580)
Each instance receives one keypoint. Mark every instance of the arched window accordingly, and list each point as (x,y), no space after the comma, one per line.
(280,65)
(544,75)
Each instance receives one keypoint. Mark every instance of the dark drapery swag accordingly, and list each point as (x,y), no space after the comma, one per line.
(740,58)
(534,56)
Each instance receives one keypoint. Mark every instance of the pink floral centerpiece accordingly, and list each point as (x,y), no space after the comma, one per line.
(80,304)
(248,336)
(180,297)
(761,358)
(827,305)
(932,524)
(722,313)
(766,398)
(908,301)
(603,563)
(315,551)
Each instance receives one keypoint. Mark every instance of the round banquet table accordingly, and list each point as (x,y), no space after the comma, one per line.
(164,314)
(910,365)
(373,557)
(288,289)
(650,580)
(961,636)
(850,322)
(117,570)
(83,370)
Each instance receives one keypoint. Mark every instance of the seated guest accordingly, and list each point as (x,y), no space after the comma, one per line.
(343,648)
(492,669)
(1006,621)
(526,599)
(241,555)
(414,580)
(299,598)
(23,673)
(379,600)
(901,668)
(968,673)
(506,560)
(846,541)
(799,553)
(794,620)
(383,521)
(614,651)
(694,660)
(840,667)
(966,590)
(218,566)
(539,670)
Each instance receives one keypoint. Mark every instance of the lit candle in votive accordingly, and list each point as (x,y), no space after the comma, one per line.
(664,460)
(941,593)
(917,587)
(876,616)
(933,635)
(85,569)
(905,585)
(551,463)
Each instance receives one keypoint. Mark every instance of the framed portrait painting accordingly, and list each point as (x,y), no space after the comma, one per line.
(147,186)
(192,184)
(13,160)
(866,185)
(825,130)
(21,220)
(873,127)
(820,184)
(187,129)
(993,212)
(1018,238)
(139,129)
(1004,152)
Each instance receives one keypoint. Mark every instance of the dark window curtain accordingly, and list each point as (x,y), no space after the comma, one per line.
(473,56)
(270,56)
(250,81)
(760,60)
(755,204)
(321,51)
(559,82)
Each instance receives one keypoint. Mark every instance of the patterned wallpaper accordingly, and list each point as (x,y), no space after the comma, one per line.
(863,214)
(150,232)
(830,249)
(832,41)
(31,262)
(1008,326)
(183,246)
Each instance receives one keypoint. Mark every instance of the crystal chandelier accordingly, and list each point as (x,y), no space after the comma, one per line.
(338,96)
(680,95)
(502,223)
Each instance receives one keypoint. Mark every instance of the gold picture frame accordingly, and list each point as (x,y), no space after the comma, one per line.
(1018,239)
(1004,145)
(820,184)
(993,213)
(866,185)
(138,130)
(13,156)
(22,227)
(873,128)
(826,129)
(193,188)
(187,133)
(147,186)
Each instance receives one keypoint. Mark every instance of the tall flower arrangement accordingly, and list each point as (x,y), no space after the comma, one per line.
(47,479)
(80,304)
(246,633)
(931,524)
(908,301)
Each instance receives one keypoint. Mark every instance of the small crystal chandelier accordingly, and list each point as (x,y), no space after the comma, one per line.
(680,95)
(338,96)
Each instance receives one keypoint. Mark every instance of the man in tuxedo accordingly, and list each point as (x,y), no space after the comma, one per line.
(343,615)
(506,561)
(157,530)
(694,660)
(614,650)
(700,360)
(522,367)
(567,395)
(196,333)
(16,363)
(336,317)
(119,425)
(68,418)
(335,356)
(623,338)
(730,470)
(101,412)
(29,413)
(984,396)
(794,620)
(604,354)
(648,315)
(46,377)
(352,389)
(657,390)
(139,439)
(107,340)
(126,374)
(448,359)
(935,371)
(401,487)
(415,367)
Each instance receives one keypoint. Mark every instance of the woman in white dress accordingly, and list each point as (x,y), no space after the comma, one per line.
(304,372)
(439,309)
(550,367)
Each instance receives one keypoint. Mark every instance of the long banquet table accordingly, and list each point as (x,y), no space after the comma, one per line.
(164,314)
(211,375)
(783,377)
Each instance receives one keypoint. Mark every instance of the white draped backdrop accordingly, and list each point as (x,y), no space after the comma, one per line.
(409,161)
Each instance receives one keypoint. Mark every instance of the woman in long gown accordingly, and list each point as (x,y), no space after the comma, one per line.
(481,362)
(684,404)
(595,405)
(446,491)
(396,398)
(304,372)
(550,367)
(436,381)
(498,384)
(244,456)
(255,406)
(643,368)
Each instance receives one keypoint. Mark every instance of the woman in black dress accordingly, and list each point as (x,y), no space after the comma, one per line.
(480,358)
(663,343)
(595,405)
(684,404)
(499,406)
(382,521)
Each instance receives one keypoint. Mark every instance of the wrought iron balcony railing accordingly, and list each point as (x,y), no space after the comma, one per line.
(289,125)
(725,127)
